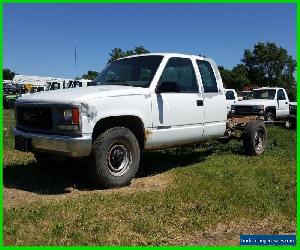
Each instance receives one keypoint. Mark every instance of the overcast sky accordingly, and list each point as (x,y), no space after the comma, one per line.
(39,39)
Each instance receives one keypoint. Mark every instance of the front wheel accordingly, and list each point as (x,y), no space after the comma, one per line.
(255,138)
(115,157)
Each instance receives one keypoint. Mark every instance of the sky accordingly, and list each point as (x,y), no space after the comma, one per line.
(40,39)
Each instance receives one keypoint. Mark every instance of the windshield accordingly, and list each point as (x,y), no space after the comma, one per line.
(135,71)
(264,94)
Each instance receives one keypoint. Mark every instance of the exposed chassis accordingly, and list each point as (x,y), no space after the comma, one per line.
(237,123)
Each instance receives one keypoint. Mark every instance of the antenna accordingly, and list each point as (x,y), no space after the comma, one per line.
(75,61)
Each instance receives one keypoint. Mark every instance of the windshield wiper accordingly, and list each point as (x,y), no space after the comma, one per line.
(119,80)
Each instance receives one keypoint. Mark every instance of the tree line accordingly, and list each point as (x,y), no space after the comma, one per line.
(265,65)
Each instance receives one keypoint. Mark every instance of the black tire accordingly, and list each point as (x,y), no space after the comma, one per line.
(115,157)
(269,116)
(255,138)
(293,123)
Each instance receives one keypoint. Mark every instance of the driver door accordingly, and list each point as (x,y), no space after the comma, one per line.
(283,104)
(178,117)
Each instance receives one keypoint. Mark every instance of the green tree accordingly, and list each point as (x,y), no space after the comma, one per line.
(239,77)
(270,65)
(236,78)
(117,53)
(226,76)
(90,75)
(8,74)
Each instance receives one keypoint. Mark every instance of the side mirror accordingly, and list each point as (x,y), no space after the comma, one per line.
(167,87)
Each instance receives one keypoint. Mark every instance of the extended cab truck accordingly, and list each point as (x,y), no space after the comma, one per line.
(138,103)
(273,103)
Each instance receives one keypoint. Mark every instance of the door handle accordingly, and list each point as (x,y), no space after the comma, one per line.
(286,103)
(199,102)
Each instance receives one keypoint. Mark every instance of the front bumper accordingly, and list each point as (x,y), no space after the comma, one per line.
(58,144)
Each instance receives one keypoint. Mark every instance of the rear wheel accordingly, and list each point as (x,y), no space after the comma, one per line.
(269,117)
(255,138)
(115,157)
(293,123)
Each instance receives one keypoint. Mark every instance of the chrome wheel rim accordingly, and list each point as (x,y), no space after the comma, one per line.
(259,139)
(118,159)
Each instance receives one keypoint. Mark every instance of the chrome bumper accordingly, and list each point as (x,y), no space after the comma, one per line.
(58,144)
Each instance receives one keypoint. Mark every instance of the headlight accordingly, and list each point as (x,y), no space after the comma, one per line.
(68,119)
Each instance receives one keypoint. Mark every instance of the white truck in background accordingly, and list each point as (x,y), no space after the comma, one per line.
(272,102)
(82,83)
(139,103)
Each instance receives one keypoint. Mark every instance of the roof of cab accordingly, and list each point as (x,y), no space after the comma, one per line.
(170,55)
(268,88)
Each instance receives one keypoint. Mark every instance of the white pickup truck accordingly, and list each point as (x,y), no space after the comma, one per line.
(137,103)
(273,103)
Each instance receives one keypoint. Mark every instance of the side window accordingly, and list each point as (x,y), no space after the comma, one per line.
(230,95)
(281,95)
(180,71)
(208,77)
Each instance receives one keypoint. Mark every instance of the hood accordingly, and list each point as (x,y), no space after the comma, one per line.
(75,95)
(252,102)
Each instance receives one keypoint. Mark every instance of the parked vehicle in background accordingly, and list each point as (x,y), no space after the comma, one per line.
(54,85)
(293,114)
(273,103)
(231,98)
(35,89)
(10,93)
(139,103)
(83,83)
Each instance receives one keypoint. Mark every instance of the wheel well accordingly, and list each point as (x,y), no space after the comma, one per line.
(272,110)
(133,123)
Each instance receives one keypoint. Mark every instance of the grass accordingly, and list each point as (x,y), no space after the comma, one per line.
(212,194)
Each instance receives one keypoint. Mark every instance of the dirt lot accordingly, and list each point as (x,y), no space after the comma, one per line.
(207,195)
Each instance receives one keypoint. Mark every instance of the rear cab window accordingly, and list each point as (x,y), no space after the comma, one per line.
(207,74)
